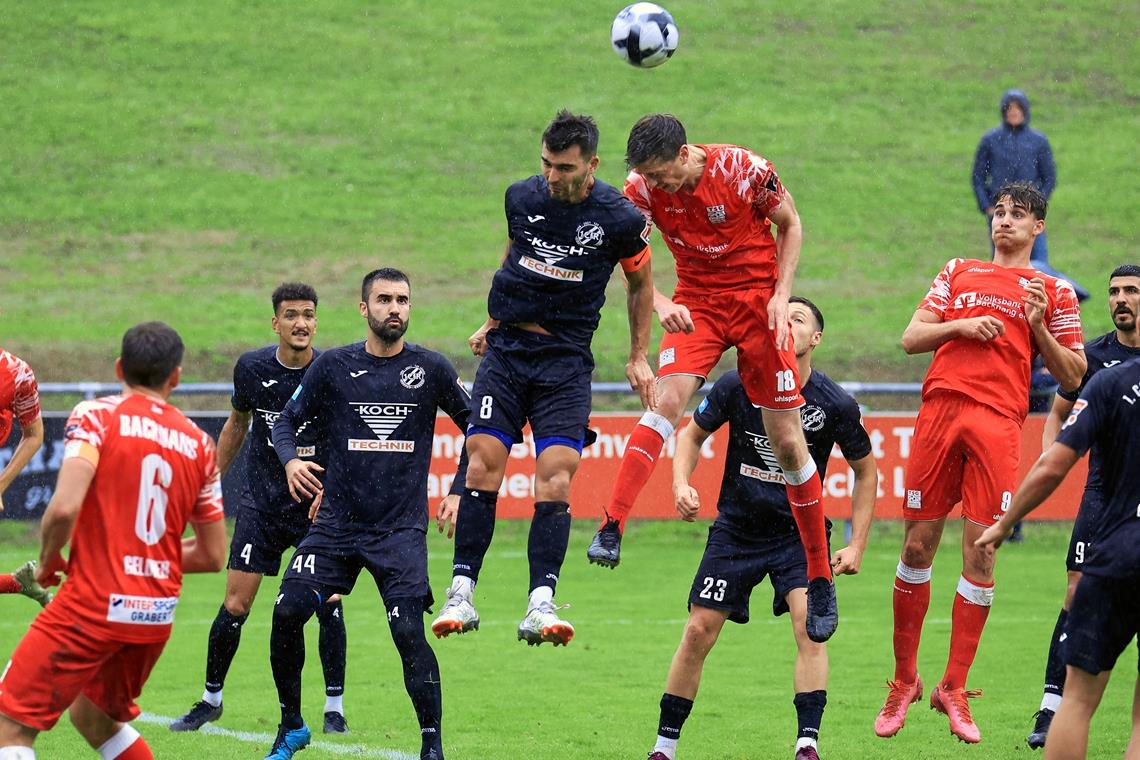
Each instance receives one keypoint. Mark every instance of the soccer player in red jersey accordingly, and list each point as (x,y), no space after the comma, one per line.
(715,206)
(984,321)
(20,401)
(134,472)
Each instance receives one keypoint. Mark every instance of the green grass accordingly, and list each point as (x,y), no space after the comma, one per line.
(178,160)
(598,697)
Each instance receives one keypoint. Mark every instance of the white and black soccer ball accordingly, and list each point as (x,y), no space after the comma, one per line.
(644,35)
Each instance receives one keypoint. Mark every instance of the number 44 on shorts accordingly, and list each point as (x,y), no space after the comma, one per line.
(305,562)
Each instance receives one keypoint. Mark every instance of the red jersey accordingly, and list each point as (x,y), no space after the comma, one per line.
(155,470)
(719,233)
(995,372)
(19,394)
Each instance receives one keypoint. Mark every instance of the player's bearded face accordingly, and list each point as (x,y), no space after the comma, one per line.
(568,174)
(386,326)
(1124,301)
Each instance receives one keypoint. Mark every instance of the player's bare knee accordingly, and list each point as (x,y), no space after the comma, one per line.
(700,635)
(93,724)
(917,553)
(238,606)
(553,486)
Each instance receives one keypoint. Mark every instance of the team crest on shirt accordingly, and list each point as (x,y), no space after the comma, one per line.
(412,377)
(716,214)
(589,233)
(382,418)
(813,418)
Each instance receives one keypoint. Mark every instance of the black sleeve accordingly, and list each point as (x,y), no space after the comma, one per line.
(1073,395)
(849,432)
(305,403)
(456,402)
(714,409)
(1090,412)
(242,400)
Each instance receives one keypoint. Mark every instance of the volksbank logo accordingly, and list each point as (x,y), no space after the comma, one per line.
(382,419)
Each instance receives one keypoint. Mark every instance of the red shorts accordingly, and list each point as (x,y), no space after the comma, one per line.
(964,451)
(737,318)
(54,664)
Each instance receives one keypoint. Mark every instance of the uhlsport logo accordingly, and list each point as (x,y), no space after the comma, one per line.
(382,418)
(590,234)
(412,377)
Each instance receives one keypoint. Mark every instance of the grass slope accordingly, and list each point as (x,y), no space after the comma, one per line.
(178,160)
(598,697)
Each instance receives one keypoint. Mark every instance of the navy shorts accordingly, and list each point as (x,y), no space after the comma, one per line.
(731,568)
(330,560)
(1103,620)
(260,539)
(527,376)
(1083,528)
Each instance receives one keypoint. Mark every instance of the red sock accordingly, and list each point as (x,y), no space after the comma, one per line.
(641,454)
(911,600)
(139,750)
(971,608)
(806,501)
(9,584)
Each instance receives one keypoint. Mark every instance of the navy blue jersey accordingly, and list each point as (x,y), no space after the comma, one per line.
(1106,351)
(1106,418)
(753,501)
(561,257)
(262,387)
(377,419)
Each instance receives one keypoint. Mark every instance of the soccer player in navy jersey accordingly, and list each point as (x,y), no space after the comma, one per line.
(268,521)
(755,534)
(567,231)
(1105,613)
(1114,347)
(374,403)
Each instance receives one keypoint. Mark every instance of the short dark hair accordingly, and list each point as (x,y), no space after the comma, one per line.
(1126,270)
(567,129)
(388,274)
(1024,194)
(815,312)
(150,352)
(293,291)
(656,137)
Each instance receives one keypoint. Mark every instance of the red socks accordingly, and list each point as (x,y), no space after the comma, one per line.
(911,600)
(9,585)
(641,454)
(805,495)
(971,608)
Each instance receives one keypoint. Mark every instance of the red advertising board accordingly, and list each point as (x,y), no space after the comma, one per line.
(890,437)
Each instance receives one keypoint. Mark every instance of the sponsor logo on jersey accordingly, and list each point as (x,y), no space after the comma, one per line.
(267,383)
(141,610)
(913,499)
(763,447)
(716,214)
(981,270)
(991,301)
(757,473)
(1112,363)
(549,270)
(589,234)
(668,356)
(784,399)
(357,373)
(554,252)
(412,377)
(813,418)
(535,218)
(382,418)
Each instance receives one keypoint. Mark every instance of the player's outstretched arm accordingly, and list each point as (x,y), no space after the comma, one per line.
(75,476)
(1042,479)
(789,240)
(205,552)
(31,438)
(849,559)
(689,442)
(231,438)
(640,308)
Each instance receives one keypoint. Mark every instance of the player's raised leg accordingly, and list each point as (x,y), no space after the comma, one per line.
(810,680)
(701,632)
(638,462)
(910,603)
(487,451)
(557,461)
(22,580)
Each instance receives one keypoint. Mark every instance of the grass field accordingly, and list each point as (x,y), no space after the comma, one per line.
(176,160)
(598,697)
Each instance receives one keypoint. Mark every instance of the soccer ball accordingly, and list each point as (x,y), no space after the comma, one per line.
(644,35)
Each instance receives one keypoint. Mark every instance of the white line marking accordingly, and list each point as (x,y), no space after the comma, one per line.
(356,750)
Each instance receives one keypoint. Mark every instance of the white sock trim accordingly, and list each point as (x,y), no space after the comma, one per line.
(666,746)
(539,595)
(912,575)
(213,697)
(17,753)
(463,585)
(806,741)
(658,424)
(802,475)
(118,743)
(1050,701)
(983,596)
(334,704)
